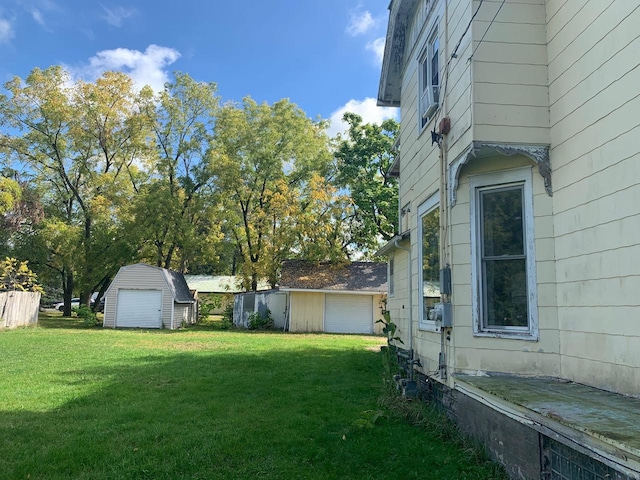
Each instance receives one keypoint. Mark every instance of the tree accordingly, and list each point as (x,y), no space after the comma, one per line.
(174,215)
(10,194)
(82,142)
(363,160)
(265,155)
(322,228)
(16,276)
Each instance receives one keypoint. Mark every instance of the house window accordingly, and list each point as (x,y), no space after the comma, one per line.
(429,258)
(428,76)
(391,276)
(504,279)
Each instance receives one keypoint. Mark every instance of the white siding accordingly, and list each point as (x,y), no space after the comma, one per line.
(594,55)
(562,73)
(420,162)
(143,277)
(510,94)
(469,353)
(183,312)
(397,305)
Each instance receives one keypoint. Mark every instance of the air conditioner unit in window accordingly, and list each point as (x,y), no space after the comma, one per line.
(429,101)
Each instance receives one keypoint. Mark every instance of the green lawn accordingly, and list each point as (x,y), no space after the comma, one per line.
(92,403)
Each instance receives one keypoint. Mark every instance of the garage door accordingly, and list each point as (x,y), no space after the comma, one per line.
(139,309)
(348,314)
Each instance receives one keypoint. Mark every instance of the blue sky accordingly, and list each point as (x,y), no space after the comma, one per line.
(324,55)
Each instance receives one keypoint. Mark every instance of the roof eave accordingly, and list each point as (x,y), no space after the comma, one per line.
(392,60)
(392,244)
(327,290)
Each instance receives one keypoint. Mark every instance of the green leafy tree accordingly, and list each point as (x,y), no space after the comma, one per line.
(322,230)
(10,194)
(175,214)
(82,142)
(265,156)
(363,160)
(17,276)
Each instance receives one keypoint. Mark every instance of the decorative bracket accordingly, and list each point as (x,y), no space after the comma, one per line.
(538,153)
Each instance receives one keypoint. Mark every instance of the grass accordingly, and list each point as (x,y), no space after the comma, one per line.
(92,403)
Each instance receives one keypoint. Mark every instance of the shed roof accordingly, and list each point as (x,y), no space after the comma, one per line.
(175,281)
(178,286)
(219,284)
(356,276)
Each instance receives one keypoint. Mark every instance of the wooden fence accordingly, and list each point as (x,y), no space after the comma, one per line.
(18,309)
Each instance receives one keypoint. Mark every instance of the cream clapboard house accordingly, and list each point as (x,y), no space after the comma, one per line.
(527,217)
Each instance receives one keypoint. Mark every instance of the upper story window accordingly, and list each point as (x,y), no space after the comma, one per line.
(428,78)
(503,264)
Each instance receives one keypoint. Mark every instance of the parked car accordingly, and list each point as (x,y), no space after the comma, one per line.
(75,302)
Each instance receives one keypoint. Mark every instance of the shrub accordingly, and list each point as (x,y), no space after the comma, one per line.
(89,317)
(205,309)
(227,317)
(260,321)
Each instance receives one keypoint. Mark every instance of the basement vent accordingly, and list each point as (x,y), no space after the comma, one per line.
(564,463)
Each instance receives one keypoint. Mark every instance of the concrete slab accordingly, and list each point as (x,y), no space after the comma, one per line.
(608,416)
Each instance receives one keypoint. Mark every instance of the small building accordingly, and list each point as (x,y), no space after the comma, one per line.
(144,296)
(218,289)
(273,302)
(334,298)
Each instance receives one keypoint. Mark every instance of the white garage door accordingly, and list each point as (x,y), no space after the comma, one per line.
(348,313)
(139,309)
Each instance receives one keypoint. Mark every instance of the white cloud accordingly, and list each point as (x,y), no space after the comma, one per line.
(40,9)
(377,47)
(37,16)
(116,15)
(366,108)
(145,68)
(6,30)
(360,23)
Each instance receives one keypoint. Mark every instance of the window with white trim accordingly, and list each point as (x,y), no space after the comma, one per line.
(391,276)
(429,78)
(503,260)
(429,258)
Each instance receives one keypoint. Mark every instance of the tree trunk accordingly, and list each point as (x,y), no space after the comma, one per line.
(104,284)
(87,290)
(67,291)
(85,298)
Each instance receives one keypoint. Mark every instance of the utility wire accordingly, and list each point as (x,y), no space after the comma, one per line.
(455,50)
(487,30)
(453,55)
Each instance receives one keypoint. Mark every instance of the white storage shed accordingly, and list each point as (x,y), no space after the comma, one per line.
(144,296)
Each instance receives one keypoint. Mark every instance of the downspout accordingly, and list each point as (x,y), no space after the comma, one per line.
(444,205)
(410,318)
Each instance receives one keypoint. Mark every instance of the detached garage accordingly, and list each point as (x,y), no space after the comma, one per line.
(334,298)
(144,296)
